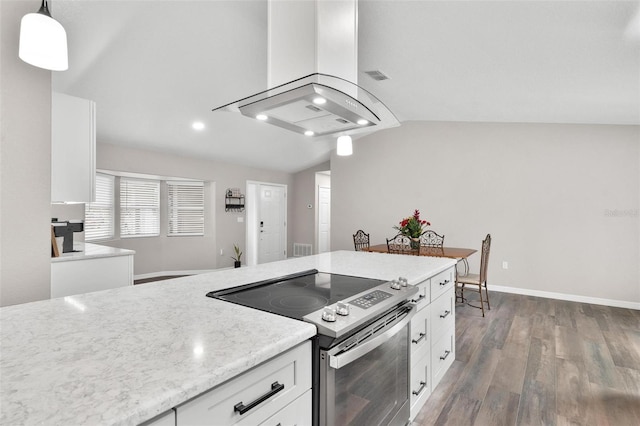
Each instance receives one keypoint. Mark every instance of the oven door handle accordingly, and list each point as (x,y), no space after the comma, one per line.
(339,361)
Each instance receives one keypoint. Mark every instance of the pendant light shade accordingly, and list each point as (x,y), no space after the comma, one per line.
(43,40)
(344,146)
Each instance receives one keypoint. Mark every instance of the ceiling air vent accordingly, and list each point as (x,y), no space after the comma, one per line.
(341,120)
(377,75)
(314,108)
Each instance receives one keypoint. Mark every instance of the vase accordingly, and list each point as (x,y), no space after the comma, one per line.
(236,264)
(414,243)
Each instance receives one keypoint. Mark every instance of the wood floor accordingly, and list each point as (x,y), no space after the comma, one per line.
(535,361)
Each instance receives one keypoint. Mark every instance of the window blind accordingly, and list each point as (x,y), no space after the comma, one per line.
(185,208)
(139,208)
(99,215)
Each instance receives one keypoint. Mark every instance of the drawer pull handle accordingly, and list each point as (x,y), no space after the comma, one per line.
(422,296)
(241,408)
(446,313)
(445,282)
(416,341)
(446,354)
(420,389)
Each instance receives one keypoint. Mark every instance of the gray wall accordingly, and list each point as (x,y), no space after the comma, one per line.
(25,167)
(560,201)
(222,229)
(303,221)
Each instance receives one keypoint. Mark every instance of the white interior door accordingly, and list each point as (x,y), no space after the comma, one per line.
(272,223)
(324,219)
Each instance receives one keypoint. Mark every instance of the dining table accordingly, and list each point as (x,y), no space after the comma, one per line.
(461,254)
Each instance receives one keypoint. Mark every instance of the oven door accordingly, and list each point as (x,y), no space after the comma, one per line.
(365,379)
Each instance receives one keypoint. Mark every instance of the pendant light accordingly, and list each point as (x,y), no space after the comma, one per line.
(43,40)
(344,147)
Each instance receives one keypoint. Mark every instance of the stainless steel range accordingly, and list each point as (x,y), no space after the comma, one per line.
(361,353)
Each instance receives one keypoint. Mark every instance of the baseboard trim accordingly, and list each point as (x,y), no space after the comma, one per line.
(168,273)
(568,297)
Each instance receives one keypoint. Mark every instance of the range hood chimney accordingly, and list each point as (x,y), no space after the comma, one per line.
(312,72)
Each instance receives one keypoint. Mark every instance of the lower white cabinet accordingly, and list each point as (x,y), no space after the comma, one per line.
(432,336)
(168,418)
(420,385)
(278,391)
(91,274)
(297,413)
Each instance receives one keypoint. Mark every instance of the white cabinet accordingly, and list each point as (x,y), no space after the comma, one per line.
(167,418)
(432,336)
(73,149)
(69,277)
(278,391)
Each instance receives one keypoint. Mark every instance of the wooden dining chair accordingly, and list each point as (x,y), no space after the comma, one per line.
(400,244)
(431,239)
(477,282)
(360,240)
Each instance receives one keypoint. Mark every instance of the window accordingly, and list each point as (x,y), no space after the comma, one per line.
(139,208)
(185,208)
(98,216)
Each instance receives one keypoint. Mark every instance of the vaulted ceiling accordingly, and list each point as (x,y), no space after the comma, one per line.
(154,67)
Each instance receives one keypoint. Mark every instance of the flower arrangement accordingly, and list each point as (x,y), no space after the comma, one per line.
(412,226)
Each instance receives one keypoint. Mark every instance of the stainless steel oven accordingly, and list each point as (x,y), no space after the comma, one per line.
(361,352)
(365,379)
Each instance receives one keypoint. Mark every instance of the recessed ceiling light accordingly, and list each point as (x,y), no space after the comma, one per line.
(261,117)
(362,122)
(197,125)
(319,101)
(309,133)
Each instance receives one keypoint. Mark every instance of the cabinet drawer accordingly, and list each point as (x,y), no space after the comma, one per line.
(420,386)
(168,418)
(420,333)
(443,315)
(442,282)
(422,298)
(442,356)
(298,413)
(219,406)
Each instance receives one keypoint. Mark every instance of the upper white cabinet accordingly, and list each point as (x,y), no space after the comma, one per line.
(73,149)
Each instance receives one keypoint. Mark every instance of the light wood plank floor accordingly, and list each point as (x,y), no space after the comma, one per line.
(535,361)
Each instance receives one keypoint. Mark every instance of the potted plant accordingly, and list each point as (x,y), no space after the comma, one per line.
(237,259)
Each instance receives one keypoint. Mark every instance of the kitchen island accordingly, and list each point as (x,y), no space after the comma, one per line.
(125,355)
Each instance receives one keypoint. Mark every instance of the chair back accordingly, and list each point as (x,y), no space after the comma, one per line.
(399,244)
(360,240)
(431,239)
(484,258)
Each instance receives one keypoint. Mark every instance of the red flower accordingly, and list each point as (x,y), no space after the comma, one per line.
(412,226)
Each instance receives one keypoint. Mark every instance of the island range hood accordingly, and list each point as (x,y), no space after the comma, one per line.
(312,73)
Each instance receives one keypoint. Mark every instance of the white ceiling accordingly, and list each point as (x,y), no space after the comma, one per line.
(154,67)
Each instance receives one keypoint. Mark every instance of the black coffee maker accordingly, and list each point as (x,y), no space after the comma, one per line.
(65,229)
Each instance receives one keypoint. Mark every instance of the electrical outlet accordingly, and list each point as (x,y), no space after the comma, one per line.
(221,252)
(505,264)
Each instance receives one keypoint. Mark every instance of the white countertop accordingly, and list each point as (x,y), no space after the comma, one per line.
(122,356)
(91,251)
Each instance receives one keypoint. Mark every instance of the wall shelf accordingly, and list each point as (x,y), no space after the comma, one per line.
(233,201)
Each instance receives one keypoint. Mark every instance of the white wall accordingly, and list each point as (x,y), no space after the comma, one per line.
(560,201)
(25,167)
(222,229)
(303,221)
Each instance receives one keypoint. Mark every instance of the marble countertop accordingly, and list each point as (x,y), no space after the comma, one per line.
(122,356)
(91,251)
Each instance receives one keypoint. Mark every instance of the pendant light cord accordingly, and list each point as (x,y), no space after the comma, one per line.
(44,9)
